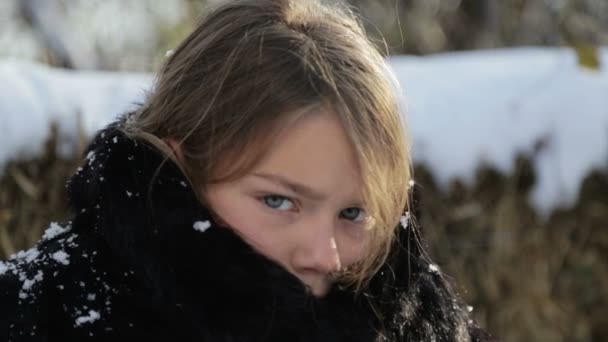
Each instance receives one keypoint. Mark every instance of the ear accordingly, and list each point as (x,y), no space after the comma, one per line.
(176,149)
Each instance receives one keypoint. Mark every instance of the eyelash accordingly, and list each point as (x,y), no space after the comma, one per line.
(264,198)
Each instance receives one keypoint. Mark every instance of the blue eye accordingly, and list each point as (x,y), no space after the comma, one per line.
(354,214)
(278,202)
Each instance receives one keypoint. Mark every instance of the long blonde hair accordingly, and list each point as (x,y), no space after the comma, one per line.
(250,68)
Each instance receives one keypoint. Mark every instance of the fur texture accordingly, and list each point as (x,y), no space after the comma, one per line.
(130,266)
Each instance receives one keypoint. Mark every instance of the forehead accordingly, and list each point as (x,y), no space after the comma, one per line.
(315,151)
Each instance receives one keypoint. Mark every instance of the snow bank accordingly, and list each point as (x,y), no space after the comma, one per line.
(463,109)
(32,96)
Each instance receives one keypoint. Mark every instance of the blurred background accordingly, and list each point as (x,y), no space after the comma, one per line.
(134,34)
(530,274)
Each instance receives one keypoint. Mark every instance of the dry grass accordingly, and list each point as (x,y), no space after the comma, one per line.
(32,194)
(529,279)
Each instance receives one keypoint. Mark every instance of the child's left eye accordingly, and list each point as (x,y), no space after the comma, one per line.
(278,202)
(354,214)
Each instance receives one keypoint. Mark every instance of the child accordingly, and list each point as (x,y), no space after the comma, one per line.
(257,195)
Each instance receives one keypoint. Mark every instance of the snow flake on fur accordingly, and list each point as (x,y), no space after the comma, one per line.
(3,268)
(26,256)
(61,257)
(201,226)
(53,230)
(92,316)
(405,220)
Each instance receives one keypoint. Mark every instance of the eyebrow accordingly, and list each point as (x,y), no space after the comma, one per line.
(293,186)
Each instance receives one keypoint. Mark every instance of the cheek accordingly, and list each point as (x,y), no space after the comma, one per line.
(267,232)
(351,247)
(249,220)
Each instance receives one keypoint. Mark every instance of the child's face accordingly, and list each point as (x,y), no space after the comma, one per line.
(316,225)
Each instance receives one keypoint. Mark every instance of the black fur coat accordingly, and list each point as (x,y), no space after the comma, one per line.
(130,266)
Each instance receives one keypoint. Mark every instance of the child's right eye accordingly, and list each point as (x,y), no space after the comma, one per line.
(278,202)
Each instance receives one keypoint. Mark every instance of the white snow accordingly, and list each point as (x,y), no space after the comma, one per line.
(463,109)
(61,257)
(29,255)
(201,226)
(433,268)
(54,230)
(411,183)
(468,108)
(405,220)
(28,283)
(32,96)
(3,268)
(90,318)
(90,157)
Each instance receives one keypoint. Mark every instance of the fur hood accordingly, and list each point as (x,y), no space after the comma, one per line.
(143,260)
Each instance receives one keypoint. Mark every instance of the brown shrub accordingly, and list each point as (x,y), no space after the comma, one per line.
(529,278)
(32,194)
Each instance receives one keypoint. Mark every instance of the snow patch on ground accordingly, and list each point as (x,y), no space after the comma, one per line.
(33,95)
(465,109)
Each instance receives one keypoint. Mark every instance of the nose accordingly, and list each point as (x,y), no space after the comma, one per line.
(317,250)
